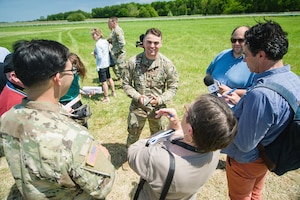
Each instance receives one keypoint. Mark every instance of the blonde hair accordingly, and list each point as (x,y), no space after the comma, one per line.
(97,31)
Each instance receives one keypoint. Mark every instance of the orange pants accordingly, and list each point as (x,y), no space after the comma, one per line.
(245,180)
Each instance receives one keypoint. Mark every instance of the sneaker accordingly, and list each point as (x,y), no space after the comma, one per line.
(113,94)
(105,100)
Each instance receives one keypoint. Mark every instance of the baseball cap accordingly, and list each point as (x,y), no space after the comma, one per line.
(8,63)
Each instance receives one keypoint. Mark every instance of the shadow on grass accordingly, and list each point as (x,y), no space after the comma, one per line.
(118,153)
(14,193)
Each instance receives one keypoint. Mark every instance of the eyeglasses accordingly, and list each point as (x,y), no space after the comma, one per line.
(74,70)
(240,40)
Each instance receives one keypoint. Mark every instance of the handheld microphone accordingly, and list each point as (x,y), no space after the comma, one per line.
(212,86)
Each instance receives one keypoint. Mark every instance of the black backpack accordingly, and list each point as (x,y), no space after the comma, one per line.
(283,154)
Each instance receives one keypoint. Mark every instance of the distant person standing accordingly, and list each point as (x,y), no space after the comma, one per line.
(101,53)
(117,40)
(228,66)
(151,80)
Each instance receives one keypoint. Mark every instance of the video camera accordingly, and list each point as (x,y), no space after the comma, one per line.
(140,43)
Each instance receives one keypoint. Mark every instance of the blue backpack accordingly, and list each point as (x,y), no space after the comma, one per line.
(283,154)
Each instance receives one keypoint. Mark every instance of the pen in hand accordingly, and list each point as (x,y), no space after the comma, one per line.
(231,91)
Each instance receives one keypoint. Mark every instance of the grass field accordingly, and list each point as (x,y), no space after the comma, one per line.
(191,44)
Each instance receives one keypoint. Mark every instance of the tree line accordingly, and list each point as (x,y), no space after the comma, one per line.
(181,7)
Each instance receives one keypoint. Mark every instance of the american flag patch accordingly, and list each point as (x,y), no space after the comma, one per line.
(92,156)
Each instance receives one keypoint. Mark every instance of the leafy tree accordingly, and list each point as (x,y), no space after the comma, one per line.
(143,12)
(162,8)
(152,11)
(123,12)
(133,10)
(234,7)
(73,17)
(185,7)
(42,18)
(59,16)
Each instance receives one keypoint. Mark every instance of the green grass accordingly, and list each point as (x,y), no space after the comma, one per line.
(191,44)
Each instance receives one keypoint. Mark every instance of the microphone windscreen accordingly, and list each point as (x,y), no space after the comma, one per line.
(209,80)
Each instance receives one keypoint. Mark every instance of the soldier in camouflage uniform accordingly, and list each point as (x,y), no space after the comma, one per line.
(117,40)
(50,155)
(151,80)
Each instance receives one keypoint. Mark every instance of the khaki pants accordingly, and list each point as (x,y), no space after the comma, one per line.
(136,122)
(120,65)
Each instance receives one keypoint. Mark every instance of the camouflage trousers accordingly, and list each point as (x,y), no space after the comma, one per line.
(120,64)
(136,122)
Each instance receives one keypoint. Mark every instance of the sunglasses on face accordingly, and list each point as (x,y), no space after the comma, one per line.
(240,40)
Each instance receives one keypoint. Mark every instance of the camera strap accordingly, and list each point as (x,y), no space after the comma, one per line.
(167,183)
(185,146)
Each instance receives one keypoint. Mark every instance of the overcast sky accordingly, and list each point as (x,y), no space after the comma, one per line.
(27,10)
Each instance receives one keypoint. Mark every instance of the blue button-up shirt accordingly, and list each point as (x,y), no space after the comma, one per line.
(262,114)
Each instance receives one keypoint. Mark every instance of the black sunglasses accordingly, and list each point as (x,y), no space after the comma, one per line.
(241,40)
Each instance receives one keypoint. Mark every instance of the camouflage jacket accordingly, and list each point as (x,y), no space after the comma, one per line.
(145,77)
(51,156)
(117,39)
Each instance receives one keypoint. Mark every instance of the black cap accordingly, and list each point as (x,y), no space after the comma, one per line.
(8,63)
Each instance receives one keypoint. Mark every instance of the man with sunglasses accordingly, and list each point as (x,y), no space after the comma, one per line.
(228,66)
(48,153)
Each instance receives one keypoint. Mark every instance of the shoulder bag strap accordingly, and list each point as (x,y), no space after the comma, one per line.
(169,177)
(293,102)
(286,94)
(167,183)
(139,188)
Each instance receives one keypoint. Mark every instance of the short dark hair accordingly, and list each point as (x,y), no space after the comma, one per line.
(37,60)
(114,19)
(213,122)
(153,31)
(268,37)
